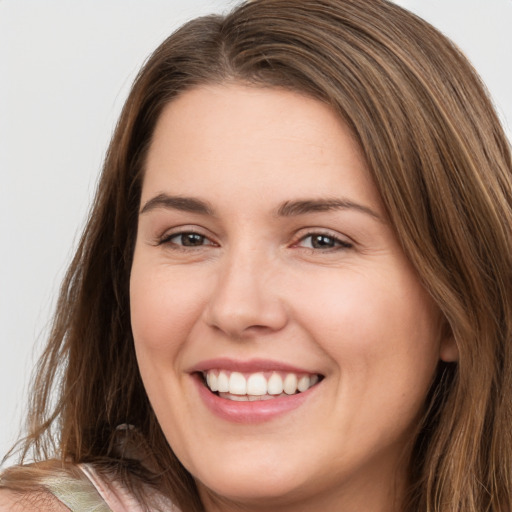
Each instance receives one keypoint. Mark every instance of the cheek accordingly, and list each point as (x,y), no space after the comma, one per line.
(382,334)
(163,306)
(371,311)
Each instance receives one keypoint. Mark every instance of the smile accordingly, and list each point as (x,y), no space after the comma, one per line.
(254,391)
(257,386)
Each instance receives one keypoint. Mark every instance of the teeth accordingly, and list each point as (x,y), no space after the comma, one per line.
(237,384)
(275,384)
(222,383)
(239,398)
(257,386)
(211,380)
(290,384)
(303,384)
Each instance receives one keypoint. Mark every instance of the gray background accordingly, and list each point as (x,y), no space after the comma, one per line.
(65,70)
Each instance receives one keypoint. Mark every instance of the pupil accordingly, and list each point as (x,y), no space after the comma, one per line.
(322,242)
(191,239)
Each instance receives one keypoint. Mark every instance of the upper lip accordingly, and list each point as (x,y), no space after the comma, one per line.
(249,366)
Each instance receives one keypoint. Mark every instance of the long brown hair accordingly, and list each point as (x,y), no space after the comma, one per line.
(443,166)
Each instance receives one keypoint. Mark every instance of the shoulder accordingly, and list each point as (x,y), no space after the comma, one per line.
(55,487)
(45,486)
(28,501)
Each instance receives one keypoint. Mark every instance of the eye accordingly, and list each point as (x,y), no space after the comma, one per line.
(323,241)
(186,239)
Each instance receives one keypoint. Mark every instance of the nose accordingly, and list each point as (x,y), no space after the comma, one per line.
(245,301)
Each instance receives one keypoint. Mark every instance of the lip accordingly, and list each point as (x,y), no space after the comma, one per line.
(249,412)
(250,366)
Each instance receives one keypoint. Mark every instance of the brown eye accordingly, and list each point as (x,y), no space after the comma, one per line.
(192,239)
(323,241)
(188,239)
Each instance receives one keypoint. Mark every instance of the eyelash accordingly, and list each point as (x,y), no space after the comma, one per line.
(167,240)
(338,243)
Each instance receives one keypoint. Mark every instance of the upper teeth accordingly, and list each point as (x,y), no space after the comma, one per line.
(258,384)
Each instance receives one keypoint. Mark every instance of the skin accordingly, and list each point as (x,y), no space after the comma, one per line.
(255,286)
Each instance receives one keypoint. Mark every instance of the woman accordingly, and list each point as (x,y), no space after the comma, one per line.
(294,289)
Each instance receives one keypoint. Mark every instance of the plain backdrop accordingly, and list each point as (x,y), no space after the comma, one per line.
(65,70)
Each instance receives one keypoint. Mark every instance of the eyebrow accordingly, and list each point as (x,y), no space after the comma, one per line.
(286,209)
(185,204)
(302,207)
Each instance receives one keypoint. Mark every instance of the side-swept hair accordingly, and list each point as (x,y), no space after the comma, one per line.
(443,166)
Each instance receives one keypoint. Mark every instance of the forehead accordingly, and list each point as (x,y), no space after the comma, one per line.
(267,140)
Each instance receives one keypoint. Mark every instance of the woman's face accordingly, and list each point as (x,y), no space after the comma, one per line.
(266,264)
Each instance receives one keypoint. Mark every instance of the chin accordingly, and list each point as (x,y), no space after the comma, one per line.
(252,484)
(267,493)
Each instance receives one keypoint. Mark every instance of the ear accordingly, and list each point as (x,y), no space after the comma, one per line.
(448,350)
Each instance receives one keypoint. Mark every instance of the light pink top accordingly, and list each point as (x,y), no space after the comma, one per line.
(114,494)
(97,494)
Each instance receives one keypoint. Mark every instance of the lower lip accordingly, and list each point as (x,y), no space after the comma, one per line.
(250,412)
